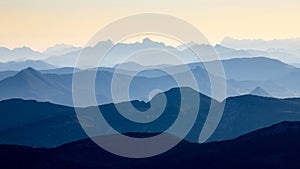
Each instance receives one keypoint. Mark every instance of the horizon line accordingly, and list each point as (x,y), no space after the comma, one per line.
(157,41)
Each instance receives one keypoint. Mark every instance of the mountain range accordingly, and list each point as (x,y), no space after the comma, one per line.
(31,84)
(62,55)
(55,85)
(45,124)
(17,66)
(276,146)
(291,45)
(121,51)
(259,127)
(19,54)
(60,49)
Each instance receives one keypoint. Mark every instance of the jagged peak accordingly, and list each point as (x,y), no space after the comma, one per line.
(258,91)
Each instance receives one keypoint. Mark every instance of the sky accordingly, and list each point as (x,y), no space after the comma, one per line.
(39,23)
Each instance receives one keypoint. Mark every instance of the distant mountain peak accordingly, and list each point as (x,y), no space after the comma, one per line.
(60,49)
(258,91)
(29,70)
(28,74)
(151,43)
(147,40)
(103,43)
(24,49)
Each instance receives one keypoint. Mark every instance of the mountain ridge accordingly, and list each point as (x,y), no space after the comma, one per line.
(66,55)
(239,117)
(248,151)
(282,83)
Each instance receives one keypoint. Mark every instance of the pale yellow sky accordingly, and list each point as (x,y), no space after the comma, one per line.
(40,24)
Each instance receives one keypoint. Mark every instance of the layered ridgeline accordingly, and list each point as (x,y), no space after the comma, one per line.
(55,85)
(66,55)
(277,146)
(40,124)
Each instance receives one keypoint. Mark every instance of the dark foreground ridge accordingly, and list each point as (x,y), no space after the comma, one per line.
(273,147)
